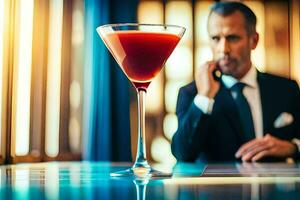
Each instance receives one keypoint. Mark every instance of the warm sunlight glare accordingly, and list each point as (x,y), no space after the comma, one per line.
(24,78)
(54,77)
(1,59)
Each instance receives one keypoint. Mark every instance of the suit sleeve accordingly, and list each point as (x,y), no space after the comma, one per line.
(189,139)
(296,113)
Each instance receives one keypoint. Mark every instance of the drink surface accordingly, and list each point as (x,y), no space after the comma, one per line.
(141,54)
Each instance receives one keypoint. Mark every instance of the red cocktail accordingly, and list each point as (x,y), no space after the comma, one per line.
(141,54)
(141,50)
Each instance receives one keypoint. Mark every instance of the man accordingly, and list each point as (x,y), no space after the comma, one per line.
(246,115)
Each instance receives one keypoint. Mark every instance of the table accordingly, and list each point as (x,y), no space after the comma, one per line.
(91,180)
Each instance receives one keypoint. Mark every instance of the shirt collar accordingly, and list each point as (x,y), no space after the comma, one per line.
(249,79)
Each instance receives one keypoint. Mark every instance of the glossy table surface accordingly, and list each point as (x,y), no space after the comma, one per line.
(91,180)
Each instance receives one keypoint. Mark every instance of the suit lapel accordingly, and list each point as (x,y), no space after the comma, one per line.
(224,104)
(266,97)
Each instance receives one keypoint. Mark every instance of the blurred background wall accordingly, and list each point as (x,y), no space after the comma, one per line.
(63,97)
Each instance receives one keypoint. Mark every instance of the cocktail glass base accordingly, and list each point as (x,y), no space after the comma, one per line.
(141,173)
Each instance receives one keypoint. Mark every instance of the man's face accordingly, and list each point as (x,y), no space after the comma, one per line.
(231,44)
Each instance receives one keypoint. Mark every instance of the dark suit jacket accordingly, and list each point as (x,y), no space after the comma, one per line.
(217,137)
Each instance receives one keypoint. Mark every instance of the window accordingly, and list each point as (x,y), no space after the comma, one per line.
(42,85)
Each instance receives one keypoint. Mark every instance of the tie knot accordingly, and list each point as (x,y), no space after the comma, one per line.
(238,87)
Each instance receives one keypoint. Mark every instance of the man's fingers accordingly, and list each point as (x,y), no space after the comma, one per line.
(254,151)
(257,149)
(246,147)
(262,154)
(203,71)
(205,82)
(267,139)
(212,65)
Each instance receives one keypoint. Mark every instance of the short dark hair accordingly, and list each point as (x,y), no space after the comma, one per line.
(227,8)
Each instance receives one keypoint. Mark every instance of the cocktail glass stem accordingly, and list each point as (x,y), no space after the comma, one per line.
(141,160)
(141,170)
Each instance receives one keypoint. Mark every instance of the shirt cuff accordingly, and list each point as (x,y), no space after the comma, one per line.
(204,103)
(297,143)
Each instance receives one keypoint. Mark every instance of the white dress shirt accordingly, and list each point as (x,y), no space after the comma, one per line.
(251,92)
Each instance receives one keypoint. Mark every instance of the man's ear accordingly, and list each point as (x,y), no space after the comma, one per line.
(254,40)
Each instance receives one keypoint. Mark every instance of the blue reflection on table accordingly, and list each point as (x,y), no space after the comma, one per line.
(91,180)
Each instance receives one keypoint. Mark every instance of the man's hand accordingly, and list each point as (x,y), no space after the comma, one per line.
(205,82)
(257,149)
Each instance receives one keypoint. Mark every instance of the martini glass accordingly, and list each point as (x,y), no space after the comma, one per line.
(141,51)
